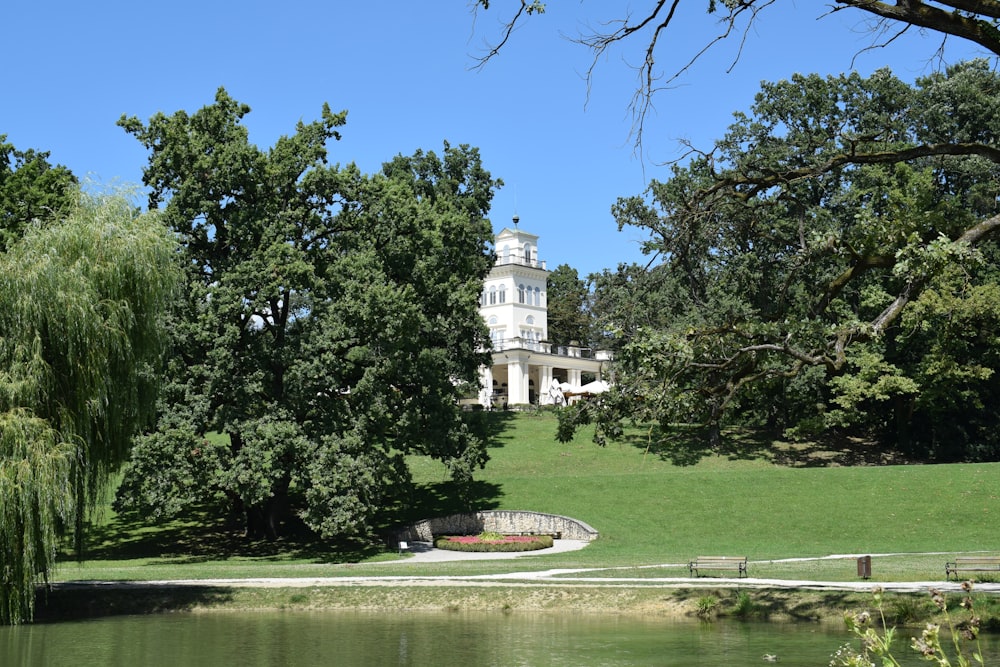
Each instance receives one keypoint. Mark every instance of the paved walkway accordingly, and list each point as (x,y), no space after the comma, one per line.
(423,552)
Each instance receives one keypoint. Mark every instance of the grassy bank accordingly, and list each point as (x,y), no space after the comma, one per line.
(796,606)
(655,509)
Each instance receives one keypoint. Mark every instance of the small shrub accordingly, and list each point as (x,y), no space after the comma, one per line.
(707,606)
(908,610)
(745,607)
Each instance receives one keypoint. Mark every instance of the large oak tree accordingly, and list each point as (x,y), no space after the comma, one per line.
(832,215)
(812,245)
(329,315)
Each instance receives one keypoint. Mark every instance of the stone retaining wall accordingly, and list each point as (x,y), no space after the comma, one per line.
(500,521)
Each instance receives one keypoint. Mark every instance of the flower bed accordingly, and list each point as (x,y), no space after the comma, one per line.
(493,542)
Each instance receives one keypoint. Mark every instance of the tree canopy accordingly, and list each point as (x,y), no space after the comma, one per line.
(809,255)
(80,305)
(568,313)
(805,265)
(327,320)
(32,191)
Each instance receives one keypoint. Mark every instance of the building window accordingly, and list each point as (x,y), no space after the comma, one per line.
(520,293)
(496,337)
(527,255)
(538,296)
(493,296)
(503,294)
(492,320)
(530,319)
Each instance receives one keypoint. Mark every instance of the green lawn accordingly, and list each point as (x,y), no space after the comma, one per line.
(648,511)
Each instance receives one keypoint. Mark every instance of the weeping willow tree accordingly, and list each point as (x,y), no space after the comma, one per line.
(80,335)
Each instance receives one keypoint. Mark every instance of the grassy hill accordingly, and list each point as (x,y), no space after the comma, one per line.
(649,510)
(768,503)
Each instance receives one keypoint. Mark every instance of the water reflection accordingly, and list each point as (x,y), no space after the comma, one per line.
(303,639)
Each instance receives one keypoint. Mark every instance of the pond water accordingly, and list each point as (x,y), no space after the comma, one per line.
(347,639)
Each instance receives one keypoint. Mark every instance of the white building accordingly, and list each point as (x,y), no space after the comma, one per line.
(514,305)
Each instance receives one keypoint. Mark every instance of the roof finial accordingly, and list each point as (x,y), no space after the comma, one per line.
(517,219)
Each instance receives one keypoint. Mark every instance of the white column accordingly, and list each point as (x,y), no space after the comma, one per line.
(517,382)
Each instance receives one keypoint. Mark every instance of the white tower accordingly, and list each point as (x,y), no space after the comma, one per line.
(514,306)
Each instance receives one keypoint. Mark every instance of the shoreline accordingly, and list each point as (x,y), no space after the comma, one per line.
(79,601)
(674,599)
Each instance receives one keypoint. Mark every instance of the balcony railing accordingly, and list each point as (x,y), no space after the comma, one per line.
(518,343)
(520,261)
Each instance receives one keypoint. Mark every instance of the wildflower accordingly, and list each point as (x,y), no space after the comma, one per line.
(923,647)
(968,631)
(928,644)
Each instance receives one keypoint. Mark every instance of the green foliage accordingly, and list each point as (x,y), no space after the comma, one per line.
(744,606)
(327,317)
(81,301)
(32,191)
(706,606)
(961,642)
(812,268)
(566,300)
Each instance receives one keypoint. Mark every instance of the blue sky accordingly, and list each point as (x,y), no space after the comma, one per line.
(403,70)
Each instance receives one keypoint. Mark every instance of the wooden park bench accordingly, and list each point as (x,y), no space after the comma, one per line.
(738,563)
(972,564)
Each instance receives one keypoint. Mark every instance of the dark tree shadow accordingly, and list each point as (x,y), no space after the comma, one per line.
(446,498)
(209,534)
(73,602)
(787,604)
(684,445)
(835,449)
(490,425)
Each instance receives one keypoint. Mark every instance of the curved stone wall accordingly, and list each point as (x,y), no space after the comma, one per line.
(501,521)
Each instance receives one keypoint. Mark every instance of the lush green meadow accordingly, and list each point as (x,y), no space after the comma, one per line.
(653,515)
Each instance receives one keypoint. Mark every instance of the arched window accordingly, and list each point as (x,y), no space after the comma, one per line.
(482,298)
(538,296)
(520,293)
(527,254)
(506,254)
(530,319)
(493,296)
(503,294)
(492,320)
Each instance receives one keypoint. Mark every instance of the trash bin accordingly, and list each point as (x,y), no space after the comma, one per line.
(865,567)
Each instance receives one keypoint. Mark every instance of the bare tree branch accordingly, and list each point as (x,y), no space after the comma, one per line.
(977,21)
